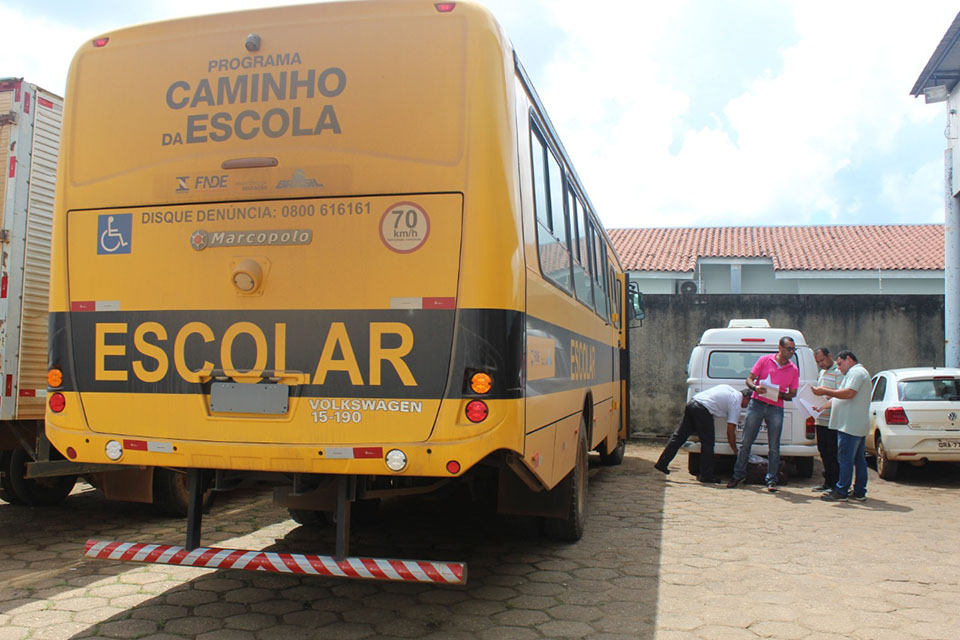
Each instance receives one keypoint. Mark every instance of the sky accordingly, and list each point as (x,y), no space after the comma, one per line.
(683,113)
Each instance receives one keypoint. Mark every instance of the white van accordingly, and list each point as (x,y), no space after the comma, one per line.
(725,356)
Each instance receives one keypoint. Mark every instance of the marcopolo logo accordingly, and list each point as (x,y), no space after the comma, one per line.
(201,239)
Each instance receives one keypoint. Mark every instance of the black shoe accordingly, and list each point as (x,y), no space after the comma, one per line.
(709,480)
(734,482)
(822,488)
(772,487)
(662,469)
(833,496)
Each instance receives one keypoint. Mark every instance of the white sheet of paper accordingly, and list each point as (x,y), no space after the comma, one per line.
(770,390)
(808,401)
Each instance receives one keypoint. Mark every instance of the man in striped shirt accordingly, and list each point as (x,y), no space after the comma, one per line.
(826,437)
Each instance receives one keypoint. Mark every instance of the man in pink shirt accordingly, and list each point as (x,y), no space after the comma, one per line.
(766,405)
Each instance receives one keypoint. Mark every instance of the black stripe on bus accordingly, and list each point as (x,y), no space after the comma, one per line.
(135,351)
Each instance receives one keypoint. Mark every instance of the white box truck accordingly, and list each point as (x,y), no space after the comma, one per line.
(31,471)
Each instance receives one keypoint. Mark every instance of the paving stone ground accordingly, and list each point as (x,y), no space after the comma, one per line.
(662,557)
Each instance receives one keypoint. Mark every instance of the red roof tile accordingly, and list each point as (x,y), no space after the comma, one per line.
(820,248)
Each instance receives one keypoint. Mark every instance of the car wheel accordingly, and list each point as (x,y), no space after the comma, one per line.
(886,468)
(804,467)
(693,463)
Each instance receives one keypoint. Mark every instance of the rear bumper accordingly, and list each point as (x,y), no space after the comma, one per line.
(786,450)
(921,445)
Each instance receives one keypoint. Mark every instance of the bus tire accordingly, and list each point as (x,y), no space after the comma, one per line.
(615,457)
(570,528)
(171,496)
(311,518)
(41,492)
(6,489)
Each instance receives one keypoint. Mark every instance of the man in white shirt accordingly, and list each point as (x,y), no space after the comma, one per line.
(722,401)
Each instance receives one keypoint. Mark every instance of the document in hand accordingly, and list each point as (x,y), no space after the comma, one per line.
(808,401)
(770,391)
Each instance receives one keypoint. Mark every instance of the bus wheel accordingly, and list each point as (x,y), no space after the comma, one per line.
(570,528)
(310,518)
(6,489)
(171,496)
(615,457)
(40,492)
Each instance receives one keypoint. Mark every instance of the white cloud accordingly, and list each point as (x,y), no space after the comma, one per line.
(839,100)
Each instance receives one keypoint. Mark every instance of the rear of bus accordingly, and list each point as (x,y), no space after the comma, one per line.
(286,241)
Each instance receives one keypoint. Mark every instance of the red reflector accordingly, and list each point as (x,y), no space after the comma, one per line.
(453,466)
(13,166)
(57,402)
(3,287)
(101,42)
(477,411)
(368,452)
(135,445)
(439,303)
(908,453)
(71,453)
(751,340)
(8,390)
(895,415)
(86,305)
(811,427)
(28,393)
(445,7)
(43,102)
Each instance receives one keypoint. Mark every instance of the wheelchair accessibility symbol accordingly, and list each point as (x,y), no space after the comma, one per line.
(114,232)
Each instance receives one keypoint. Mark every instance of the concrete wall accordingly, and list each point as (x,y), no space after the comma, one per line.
(884,332)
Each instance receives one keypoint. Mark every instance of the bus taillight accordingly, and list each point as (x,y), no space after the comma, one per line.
(445,7)
(477,411)
(54,378)
(101,42)
(481,383)
(57,402)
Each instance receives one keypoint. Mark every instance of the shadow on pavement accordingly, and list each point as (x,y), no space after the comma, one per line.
(519,585)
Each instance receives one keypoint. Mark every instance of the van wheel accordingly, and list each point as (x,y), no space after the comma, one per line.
(693,463)
(615,457)
(804,467)
(886,468)
(40,492)
(570,528)
(171,497)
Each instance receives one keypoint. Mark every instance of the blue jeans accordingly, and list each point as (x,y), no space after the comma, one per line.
(851,455)
(757,413)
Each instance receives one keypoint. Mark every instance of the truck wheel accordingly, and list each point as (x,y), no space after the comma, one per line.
(6,489)
(886,468)
(41,492)
(615,457)
(693,463)
(570,528)
(804,467)
(171,496)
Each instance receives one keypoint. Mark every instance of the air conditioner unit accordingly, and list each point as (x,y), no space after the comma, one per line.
(687,287)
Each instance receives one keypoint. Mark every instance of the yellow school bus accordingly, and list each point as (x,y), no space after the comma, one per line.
(339,243)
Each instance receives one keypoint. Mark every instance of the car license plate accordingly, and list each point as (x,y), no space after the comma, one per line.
(948,444)
(763,428)
(230,397)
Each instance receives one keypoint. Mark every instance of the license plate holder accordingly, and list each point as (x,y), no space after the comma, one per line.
(233,397)
(948,444)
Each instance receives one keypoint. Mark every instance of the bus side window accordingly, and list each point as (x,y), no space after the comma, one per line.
(581,276)
(613,296)
(552,245)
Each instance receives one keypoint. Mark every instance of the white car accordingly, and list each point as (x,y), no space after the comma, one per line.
(914,417)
